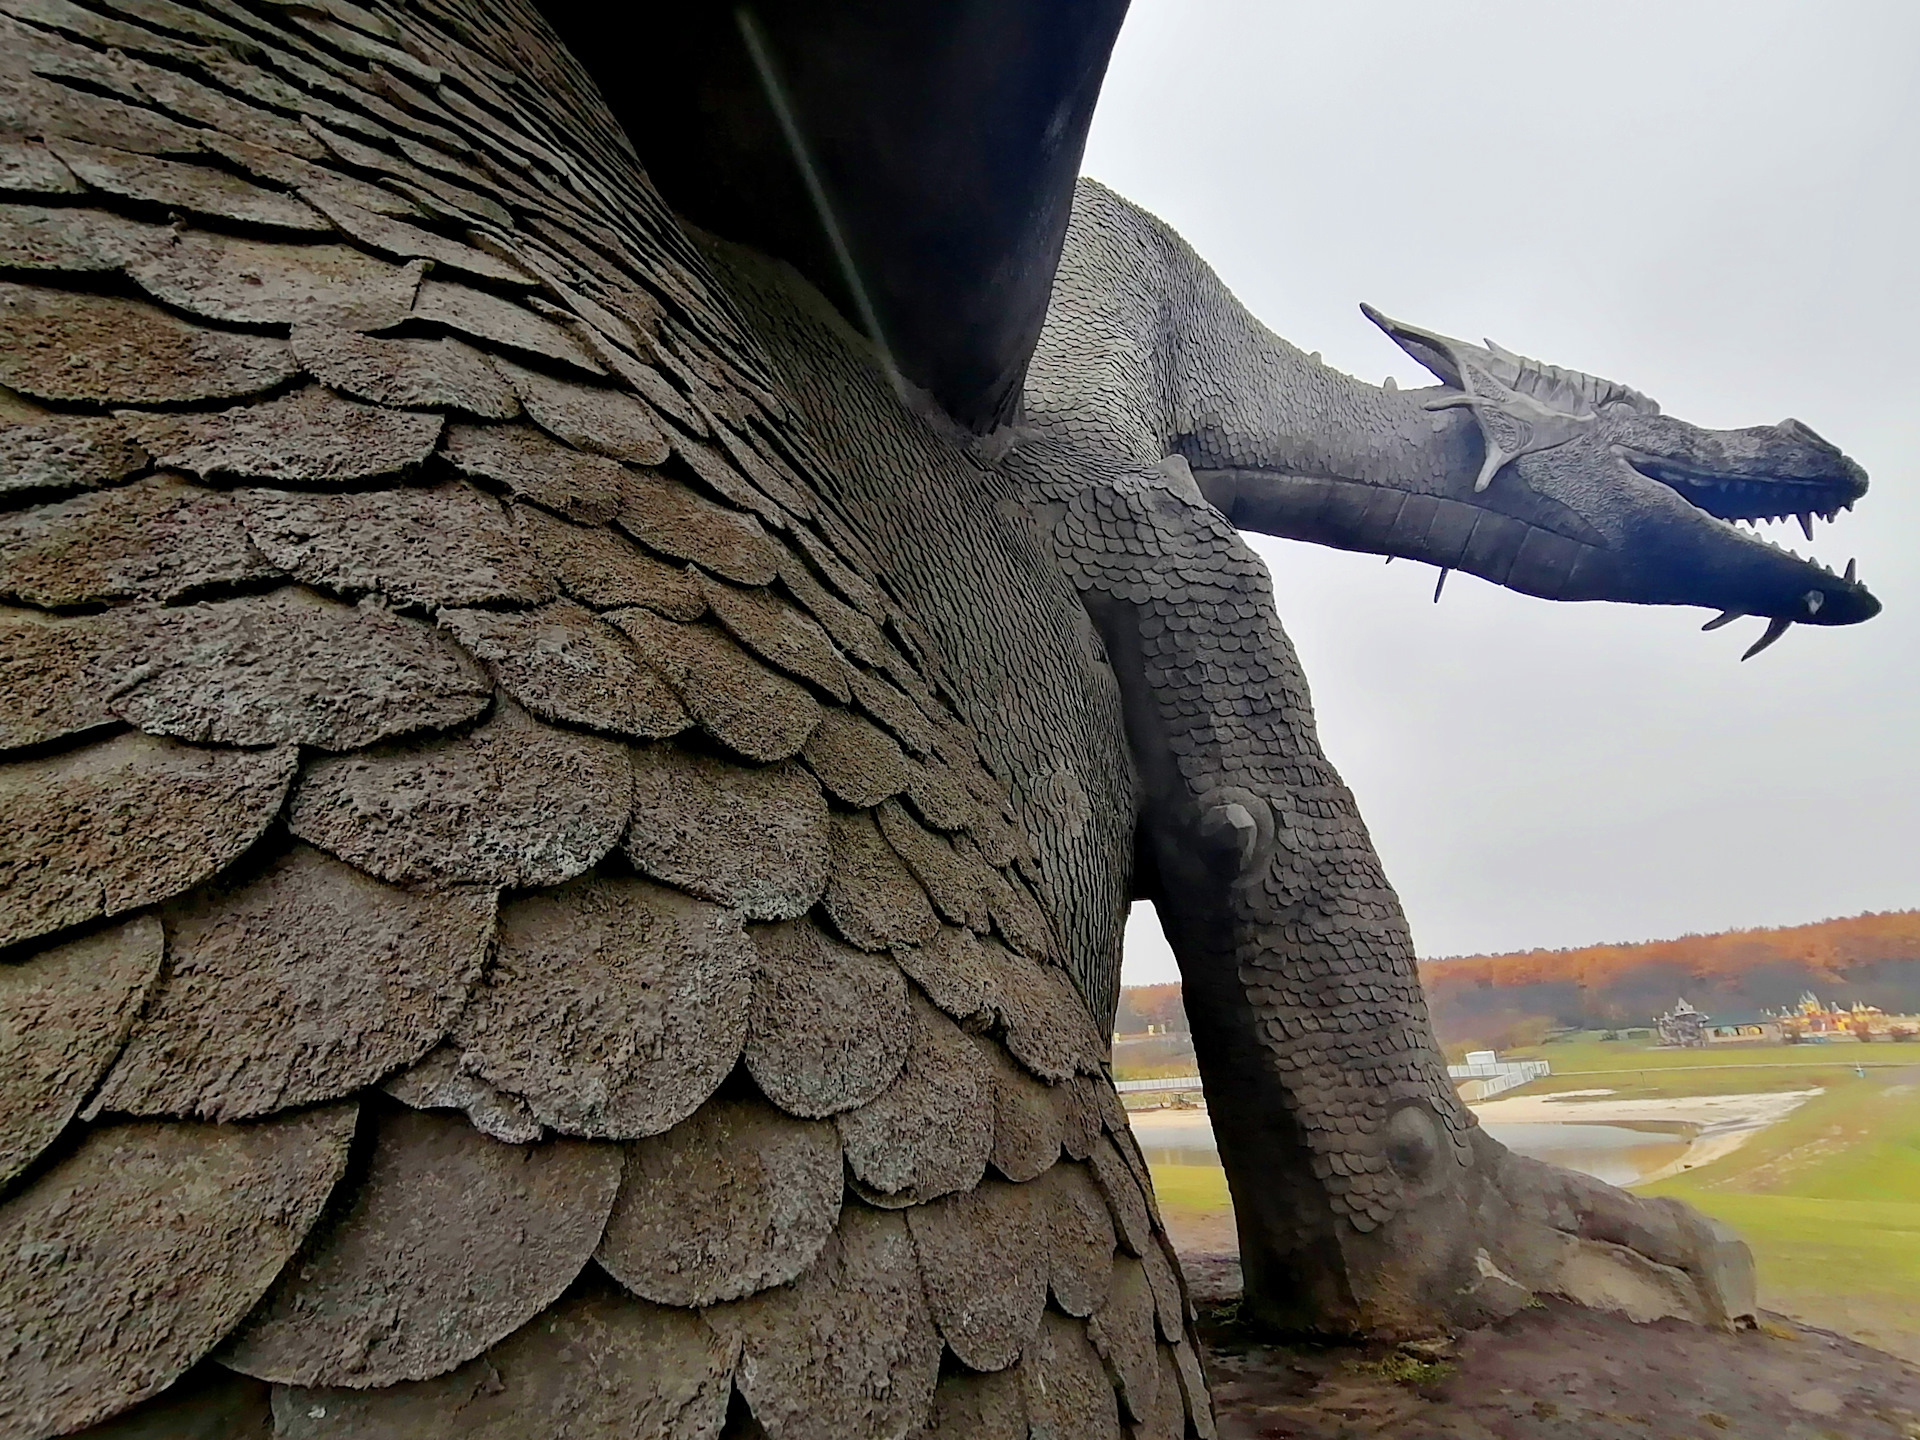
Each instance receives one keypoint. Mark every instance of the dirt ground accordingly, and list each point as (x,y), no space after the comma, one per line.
(1557,1371)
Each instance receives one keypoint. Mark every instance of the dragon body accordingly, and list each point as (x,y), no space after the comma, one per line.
(566,836)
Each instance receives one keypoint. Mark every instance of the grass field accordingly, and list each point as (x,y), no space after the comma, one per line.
(1829,1198)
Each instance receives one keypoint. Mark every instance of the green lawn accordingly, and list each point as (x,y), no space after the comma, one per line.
(1634,1069)
(1193,1189)
(1829,1198)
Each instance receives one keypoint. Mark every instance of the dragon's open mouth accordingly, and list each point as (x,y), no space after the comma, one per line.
(1746,498)
(1741,497)
(1753,494)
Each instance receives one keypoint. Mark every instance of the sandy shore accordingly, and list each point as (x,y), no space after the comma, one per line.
(1725,1122)
(1720,1124)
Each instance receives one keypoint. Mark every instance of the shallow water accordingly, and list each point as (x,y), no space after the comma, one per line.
(1612,1153)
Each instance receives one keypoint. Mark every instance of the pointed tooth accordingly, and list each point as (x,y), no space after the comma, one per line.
(1776,627)
(1440,584)
(1389,559)
(1848,577)
(1725,617)
(1805,517)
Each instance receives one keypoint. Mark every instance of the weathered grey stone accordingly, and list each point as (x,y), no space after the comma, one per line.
(604,569)
(565,665)
(64,1014)
(310,437)
(1026,1125)
(978,1407)
(856,761)
(1122,1331)
(58,239)
(593,418)
(1017,916)
(124,823)
(1080,1241)
(951,877)
(614,1008)
(511,804)
(450,1242)
(597,1363)
(442,374)
(830,1026)
(196,189)
(107,350)
(929,1132)
(1077,1102)
(1167,1417)
(402,241)
(1169,1295)
(293,666)
(884,702)
(956,969)
(738,701)
(780,634)
(26,167)
(936,793)
(733,1201)
(134,1255)
(66,452)
(983,1260)
(1046,1023)
(303,984)
(495,320)
(238,280)
(156,539)
(670,518)
(848,1349)
(57,674)
(1066,1388)
(872,898)
(445,546)
(439,1082)
(587,488)
(754,839)
(1193,1390)
(1124,1197)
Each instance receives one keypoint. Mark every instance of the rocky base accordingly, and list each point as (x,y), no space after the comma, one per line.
(1556,1370)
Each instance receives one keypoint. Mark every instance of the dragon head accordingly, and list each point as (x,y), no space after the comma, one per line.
(1585,490)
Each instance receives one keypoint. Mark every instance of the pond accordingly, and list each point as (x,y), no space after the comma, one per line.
(1613,1153)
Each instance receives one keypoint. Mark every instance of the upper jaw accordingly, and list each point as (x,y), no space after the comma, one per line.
(1732,496)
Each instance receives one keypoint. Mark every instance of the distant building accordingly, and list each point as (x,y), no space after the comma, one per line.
(1814,1019)
(1682,1026)
(1751,1027)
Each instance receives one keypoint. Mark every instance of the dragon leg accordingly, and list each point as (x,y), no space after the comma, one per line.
(1367,1199)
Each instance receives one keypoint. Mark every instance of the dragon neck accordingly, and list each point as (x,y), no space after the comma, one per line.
(1240,398)
(1147,354)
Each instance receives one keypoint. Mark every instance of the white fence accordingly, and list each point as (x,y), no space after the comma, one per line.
(1484,1081)
(1178,1082)
(1475,1082)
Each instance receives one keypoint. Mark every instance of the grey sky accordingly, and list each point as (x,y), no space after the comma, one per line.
(1716,203)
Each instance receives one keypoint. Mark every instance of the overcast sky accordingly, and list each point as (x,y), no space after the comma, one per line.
(1716,203)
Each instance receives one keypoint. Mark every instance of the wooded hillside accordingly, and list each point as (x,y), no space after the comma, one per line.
(1871,959)
(1504,1000)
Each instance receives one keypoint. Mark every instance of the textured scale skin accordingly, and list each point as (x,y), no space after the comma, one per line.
(1365,1195)
(562,848)
(565,850)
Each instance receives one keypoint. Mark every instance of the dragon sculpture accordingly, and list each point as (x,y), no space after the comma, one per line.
(569,815)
